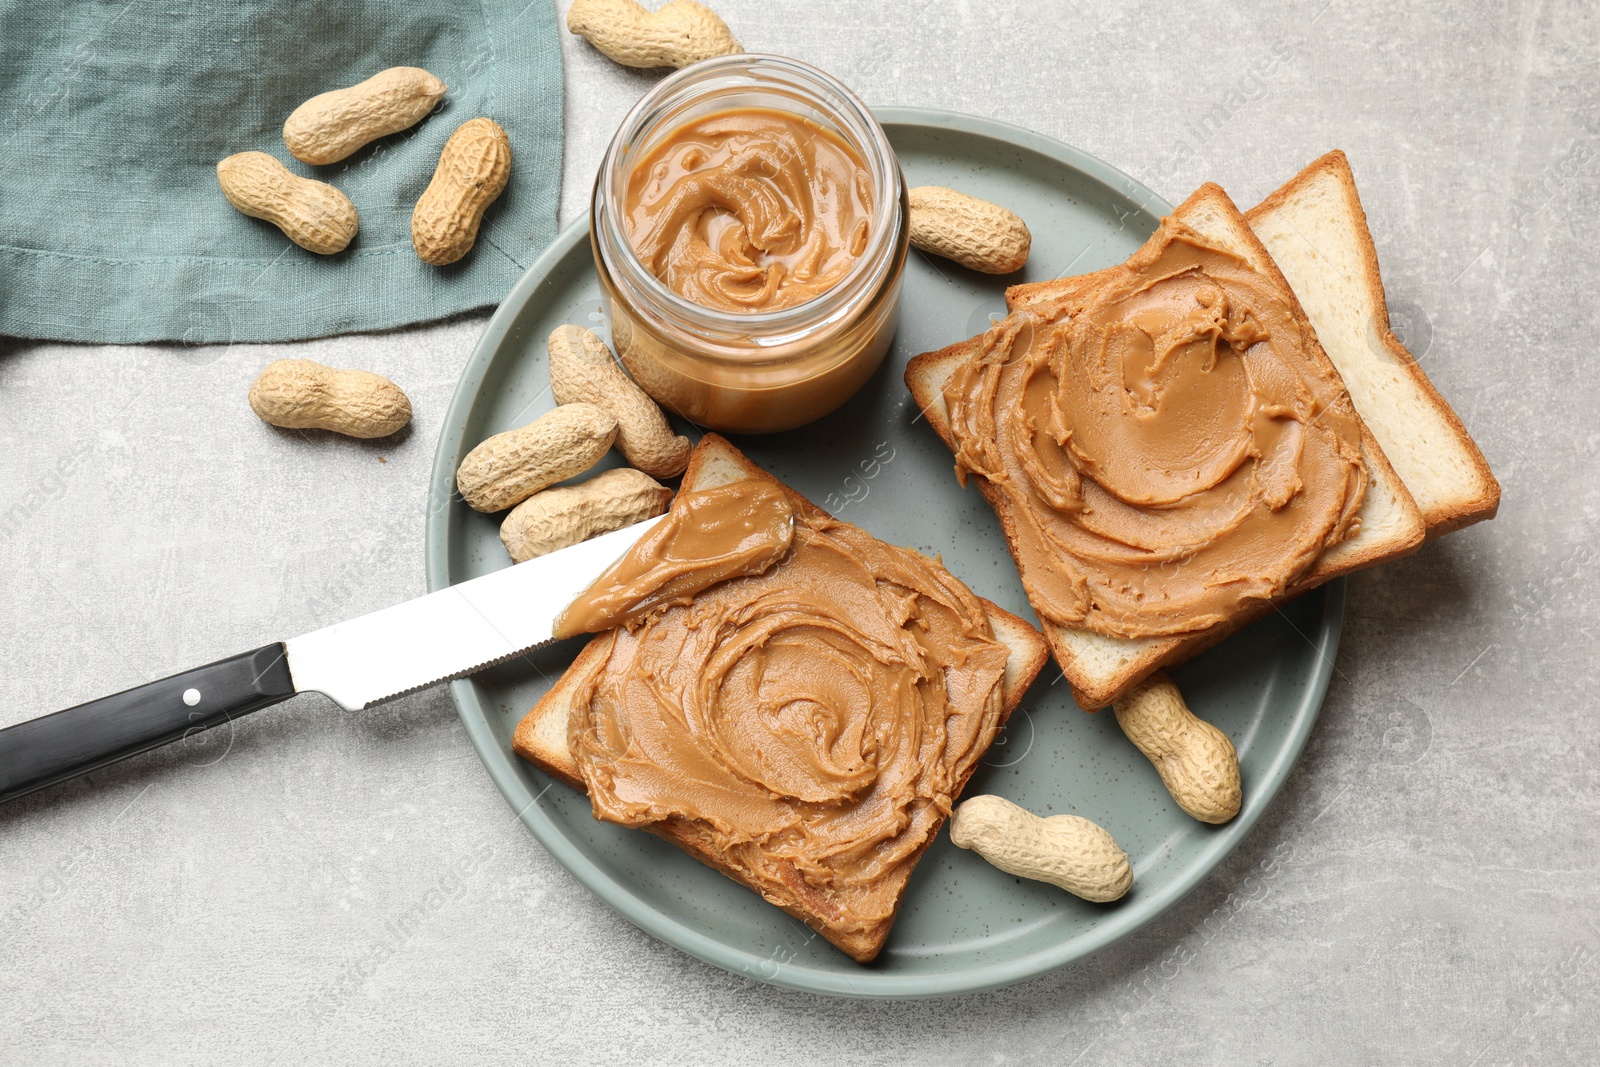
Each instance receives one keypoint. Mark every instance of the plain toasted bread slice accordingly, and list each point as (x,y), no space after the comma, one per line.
(541,737)
(1317,233)
(1100,668)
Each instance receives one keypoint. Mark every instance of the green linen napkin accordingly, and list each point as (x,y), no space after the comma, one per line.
(114,115)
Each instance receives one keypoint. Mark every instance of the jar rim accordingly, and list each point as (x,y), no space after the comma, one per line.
(745,71)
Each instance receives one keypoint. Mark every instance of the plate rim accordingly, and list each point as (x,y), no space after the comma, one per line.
(620,897)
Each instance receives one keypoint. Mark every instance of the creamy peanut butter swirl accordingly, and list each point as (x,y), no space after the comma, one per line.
(811,722)
(1169,439)
(749,209)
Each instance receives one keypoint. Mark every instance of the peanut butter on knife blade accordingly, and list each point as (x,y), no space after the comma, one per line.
(709,536)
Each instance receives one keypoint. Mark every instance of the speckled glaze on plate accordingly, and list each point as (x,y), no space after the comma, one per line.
(964,926)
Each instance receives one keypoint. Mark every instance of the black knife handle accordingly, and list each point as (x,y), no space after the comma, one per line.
(56,747)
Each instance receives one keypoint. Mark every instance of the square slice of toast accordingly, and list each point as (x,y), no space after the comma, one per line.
(1317,233)
(541,737)
(1101,668)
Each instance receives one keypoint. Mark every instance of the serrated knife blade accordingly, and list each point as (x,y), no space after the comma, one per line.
(453,632)
(447,634)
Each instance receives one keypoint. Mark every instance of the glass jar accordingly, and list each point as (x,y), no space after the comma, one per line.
(751,372)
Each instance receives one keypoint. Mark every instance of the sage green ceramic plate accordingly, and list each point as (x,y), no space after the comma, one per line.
(965,926)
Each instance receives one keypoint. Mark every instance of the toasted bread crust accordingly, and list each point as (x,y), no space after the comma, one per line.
(540,737)
(1445,517)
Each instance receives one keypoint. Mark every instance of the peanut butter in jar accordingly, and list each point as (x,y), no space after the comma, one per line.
(749,210)
(748,227)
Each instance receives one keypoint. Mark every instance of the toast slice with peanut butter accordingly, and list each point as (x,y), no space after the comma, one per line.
(846,887)
(1315,229)
(1101,666)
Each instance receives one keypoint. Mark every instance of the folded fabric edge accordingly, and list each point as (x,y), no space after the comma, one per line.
(83,315)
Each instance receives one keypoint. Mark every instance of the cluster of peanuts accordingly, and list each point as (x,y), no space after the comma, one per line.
(472,171)
(598,406)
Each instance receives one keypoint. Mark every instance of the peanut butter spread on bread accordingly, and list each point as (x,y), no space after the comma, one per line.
(749,209)
(809,724)
(709,536)
(1171,450)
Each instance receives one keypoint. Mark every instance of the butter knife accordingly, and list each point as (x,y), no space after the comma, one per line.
(364,661)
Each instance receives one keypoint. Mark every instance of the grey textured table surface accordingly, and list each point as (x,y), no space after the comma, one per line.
(292,889)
